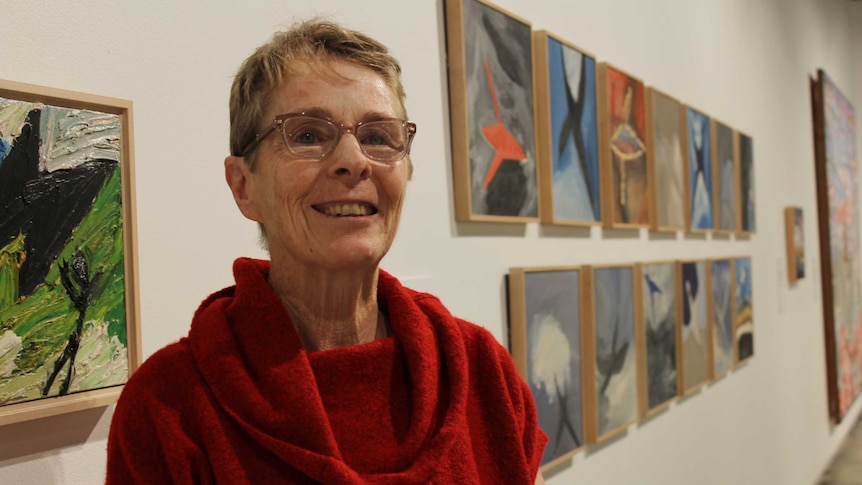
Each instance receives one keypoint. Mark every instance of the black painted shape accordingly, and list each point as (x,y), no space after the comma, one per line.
(689,286)
(22,162)
(46,207)
(507,191)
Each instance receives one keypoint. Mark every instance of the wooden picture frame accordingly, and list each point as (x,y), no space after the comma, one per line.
(725,184)
(68,285)
(695,346)
(545,317)
(657,331)
(838,231)
(610,352)
(721,323)
(623,147)
(666,162)
(493,144)
(698,165)
(567,128)
(794,236)
(743,310)
(746,186)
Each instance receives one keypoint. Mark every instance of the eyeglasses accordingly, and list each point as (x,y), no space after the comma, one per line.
(311,138)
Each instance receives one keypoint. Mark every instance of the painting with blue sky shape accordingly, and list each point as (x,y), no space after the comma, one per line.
(699,170)
(574,133)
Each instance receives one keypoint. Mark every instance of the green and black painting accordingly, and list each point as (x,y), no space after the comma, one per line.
(62,282)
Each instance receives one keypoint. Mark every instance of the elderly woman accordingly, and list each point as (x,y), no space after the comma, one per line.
(316,366)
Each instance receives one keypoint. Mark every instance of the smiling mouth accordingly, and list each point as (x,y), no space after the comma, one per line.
(346,210)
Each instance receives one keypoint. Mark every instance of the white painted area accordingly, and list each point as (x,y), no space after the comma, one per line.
(746,62)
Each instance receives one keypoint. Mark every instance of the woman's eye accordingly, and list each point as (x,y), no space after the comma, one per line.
(306,137)
(375,140)
(309,135)
(377,137)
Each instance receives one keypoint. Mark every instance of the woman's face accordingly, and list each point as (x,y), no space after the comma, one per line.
(341,212)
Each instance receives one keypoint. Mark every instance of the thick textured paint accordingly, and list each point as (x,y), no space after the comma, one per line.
(72,137)
(47,229)
(11,258)
(13,118)
(10,346)
(44,318)
(102,362)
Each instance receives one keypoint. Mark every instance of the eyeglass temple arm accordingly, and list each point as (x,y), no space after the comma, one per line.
(259,138)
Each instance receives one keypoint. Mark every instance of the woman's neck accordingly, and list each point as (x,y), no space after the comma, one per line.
(330,309)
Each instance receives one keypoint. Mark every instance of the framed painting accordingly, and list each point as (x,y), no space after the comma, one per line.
(545,311)
(743,310)
(69,331)
(838,228)
(623,148)
(795,241)
(721,315)
(665,126)
(746,182)
(610,361)
(567,145)
(657,333)
(694,336)
(699,171)
(724,167)
(491,103)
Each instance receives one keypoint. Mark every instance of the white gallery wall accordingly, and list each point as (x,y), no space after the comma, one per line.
(745,62)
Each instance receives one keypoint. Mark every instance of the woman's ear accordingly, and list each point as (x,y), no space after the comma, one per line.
(238,176)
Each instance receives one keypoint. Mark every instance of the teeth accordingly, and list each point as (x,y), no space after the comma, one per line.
(347,210)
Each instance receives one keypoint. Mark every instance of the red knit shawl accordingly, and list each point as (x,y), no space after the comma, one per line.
(240,401)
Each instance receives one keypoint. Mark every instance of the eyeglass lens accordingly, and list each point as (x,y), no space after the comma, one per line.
(314,138)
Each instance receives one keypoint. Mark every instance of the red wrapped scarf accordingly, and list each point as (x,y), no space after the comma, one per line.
(239,400)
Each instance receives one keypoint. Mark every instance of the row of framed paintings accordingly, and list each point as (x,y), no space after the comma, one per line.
(603,346)
(542,132)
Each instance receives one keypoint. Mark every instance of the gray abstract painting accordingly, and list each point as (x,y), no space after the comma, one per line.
(659,310)
(726,177)
(722,317)
(616,376)
(500,108)
(554,357)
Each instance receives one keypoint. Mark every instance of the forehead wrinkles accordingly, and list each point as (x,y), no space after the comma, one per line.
(332,71)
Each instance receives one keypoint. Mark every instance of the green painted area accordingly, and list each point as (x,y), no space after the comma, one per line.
(45,319)
(11,259)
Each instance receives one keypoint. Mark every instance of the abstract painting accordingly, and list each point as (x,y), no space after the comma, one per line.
(725,178)
(695,338)
(623,147)
(795,241)
(743,314)
(567,133)
(721,316)
(699,165)
(67,326)
(666,161)
(614,382)
(659,334)
(491,104)
(838,217)
(746,182)
(545,314)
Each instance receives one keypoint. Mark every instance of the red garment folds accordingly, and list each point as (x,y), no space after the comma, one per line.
(239,401)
